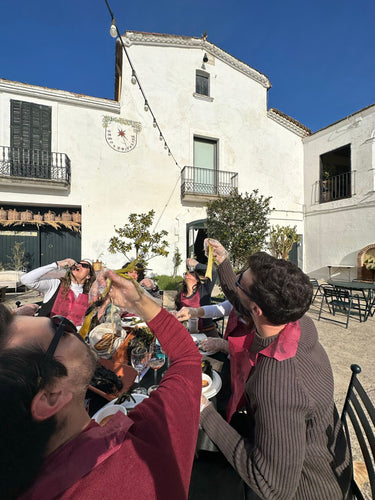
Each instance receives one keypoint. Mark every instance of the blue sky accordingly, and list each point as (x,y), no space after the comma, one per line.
(318,54)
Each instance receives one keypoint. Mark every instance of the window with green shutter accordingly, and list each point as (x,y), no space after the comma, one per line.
(30,139)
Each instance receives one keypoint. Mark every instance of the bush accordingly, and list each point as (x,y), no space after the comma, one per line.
(168,282)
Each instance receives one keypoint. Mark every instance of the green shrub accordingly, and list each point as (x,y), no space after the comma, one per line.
(168,282)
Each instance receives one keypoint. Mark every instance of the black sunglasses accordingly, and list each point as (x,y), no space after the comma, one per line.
(84,265)
(60,325)
(238,283)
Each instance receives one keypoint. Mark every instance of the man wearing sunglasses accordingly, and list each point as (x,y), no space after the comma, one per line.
(66,296)
(292,445)
(50,448)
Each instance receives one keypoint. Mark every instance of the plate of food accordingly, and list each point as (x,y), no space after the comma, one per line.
(105,413)
(215,386)
(206,383)
(198,337)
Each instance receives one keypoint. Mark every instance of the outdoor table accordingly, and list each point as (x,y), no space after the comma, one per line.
(367,289)
(337,268)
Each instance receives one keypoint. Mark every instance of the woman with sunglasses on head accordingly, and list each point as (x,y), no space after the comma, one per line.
(66,296)
(195,292)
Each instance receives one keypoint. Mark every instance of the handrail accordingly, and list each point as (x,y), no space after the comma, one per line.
(198,180)
(34,164)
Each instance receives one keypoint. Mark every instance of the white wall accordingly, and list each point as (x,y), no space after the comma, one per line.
(109,185)
(336,231)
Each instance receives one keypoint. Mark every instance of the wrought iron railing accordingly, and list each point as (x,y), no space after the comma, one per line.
(196,180)
(337,187)
(34,164)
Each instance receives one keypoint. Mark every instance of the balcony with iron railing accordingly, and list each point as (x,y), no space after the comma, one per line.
(206,184)
(20,166)
(336,187)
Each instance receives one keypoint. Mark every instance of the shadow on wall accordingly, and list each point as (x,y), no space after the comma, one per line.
(344,269)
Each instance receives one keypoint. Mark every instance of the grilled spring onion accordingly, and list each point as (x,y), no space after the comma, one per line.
(210,262)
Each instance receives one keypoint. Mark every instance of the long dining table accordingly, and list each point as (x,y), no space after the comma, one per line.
(366,289)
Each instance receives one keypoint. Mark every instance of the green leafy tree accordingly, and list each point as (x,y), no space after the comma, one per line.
(137,236)
(177,260)
(282,239)
(240,223)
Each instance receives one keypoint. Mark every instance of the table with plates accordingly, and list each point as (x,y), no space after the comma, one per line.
(211,392)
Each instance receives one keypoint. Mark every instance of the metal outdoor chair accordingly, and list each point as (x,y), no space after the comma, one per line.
(358,418)
(339,300)
(316,289)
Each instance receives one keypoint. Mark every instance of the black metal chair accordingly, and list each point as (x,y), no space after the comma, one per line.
(316,289)
(340,300)
(359,413)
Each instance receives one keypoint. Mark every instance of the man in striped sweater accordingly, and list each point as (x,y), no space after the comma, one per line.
(294,447)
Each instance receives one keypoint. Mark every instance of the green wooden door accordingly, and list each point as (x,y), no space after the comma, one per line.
(58,245)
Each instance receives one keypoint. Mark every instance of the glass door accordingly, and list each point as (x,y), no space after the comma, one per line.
(205,166)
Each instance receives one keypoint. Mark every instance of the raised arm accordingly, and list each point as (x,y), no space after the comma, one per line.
(168,420)
(34,279)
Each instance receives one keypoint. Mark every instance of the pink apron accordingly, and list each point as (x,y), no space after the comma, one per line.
(71,307)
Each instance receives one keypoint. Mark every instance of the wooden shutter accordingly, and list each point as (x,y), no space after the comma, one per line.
(30,138)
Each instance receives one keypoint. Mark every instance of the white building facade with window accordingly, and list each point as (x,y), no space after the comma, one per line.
(212,111)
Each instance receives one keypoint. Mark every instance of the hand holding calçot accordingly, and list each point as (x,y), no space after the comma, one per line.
(66,262)
(219,252)
(190,262)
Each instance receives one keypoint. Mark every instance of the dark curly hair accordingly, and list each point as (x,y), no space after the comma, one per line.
(280,288)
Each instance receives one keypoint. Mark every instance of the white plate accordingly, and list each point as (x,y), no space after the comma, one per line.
(215,387)
(198,337)
(209,380)
(108,410)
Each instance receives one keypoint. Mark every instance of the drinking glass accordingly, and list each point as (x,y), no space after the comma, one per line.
(139,361)
(157,361)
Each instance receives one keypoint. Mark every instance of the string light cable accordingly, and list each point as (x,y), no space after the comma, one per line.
(114,31)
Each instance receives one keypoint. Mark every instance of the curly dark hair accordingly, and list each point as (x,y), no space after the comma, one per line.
(280,288)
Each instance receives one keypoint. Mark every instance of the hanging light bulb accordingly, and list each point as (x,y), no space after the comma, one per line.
(169,152)
(133,78)
(165,146)
(154,124)
(161,136)
(146,106)
(113,29)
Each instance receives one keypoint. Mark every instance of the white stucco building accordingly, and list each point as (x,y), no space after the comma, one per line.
(104,159)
